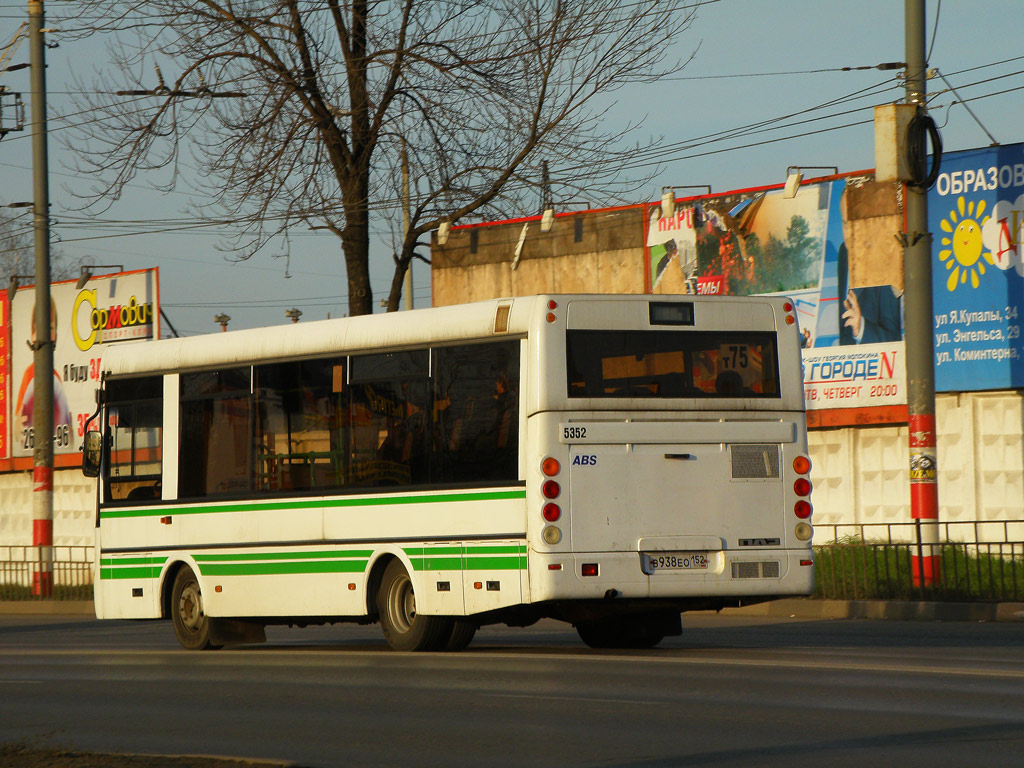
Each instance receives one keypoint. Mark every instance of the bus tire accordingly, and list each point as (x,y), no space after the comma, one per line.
(461,636)
(620,633)
(404,628)
(192,626)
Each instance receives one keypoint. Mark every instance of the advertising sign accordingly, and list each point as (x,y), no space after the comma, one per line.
(844,377)
(109,309)
(765,243)
(976,217)
(672,251)
(5,375)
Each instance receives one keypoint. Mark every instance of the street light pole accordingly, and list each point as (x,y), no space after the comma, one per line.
(919,325)
(42,344)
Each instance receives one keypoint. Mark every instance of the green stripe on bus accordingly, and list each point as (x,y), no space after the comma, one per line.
(115,561)
(436,563)
(278,568)
(494,563)
(136,572)
(360,553)
(271,506)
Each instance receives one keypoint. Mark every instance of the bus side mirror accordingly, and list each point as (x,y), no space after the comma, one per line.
(92,450)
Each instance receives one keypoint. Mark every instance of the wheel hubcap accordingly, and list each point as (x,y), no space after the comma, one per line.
(402,604)
(190,607)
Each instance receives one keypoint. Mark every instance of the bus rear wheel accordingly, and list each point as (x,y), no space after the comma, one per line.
(192,626)
(404,628)
(620,632)
(461,635)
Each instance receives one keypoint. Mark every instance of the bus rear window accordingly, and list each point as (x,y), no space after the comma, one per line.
(660,364)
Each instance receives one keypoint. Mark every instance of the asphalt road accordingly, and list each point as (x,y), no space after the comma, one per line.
(732,691)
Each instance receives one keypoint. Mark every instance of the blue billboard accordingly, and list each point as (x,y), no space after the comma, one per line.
(976,217)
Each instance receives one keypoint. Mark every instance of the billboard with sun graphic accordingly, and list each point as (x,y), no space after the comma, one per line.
(976,217)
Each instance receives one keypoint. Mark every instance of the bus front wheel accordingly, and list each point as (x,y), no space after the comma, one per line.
(192,626)
(404,628)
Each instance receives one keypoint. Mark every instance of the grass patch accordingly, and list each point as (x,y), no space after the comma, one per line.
(852,569)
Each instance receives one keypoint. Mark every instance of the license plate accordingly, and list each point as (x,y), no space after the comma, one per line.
(665,562)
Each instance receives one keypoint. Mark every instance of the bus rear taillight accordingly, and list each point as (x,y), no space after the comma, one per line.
(802,508)
(551,489)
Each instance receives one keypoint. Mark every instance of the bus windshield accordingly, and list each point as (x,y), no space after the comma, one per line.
(665,364)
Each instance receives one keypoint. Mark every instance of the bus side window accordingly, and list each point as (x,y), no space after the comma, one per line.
(133,439)
(389,415)
(476,407)
(215,448)
(299,443)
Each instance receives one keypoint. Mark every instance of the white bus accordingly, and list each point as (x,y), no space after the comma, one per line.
(609,461)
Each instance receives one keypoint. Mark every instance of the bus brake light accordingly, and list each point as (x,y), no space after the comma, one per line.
(802,487)
(551,489)
(552,512)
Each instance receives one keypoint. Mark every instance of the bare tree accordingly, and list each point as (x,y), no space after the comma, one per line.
(17,251)
(297,113)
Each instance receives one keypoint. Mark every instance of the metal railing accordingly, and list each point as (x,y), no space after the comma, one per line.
(984,532)
(72,573)
(852,569)
(846,567)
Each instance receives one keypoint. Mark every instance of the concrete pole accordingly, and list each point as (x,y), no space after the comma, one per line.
(919,325)
(42,359)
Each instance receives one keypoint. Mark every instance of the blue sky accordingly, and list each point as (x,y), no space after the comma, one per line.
(757,60)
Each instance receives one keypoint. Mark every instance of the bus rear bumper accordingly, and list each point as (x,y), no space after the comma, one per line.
(762,574)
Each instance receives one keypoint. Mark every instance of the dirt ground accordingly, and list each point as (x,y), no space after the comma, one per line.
(22,756)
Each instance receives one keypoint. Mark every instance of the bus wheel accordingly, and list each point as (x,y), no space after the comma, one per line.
(461,637)
(620,633)
(404,629)
(191,624)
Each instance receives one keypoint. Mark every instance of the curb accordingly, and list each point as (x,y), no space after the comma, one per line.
(882,609)
(47,608)
(789,608)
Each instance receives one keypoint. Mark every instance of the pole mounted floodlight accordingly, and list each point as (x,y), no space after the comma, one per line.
(293,314)
(668,197)
(794,177)
(89,270)
(12,288)
(223,320)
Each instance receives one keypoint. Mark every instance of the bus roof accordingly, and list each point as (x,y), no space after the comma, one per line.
(365,333)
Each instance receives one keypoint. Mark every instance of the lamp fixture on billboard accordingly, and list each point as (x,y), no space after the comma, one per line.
(12,288)
(668,198)
(794,177)
(88,270)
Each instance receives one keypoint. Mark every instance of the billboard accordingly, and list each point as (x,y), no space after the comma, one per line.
(976,217)
(108,309)
(5,374)
(828,249)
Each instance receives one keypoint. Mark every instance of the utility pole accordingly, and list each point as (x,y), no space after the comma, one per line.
(920,346)
(407,283)
(42,344)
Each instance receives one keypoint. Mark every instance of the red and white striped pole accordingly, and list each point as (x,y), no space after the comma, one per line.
(924,500)
(42,531)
